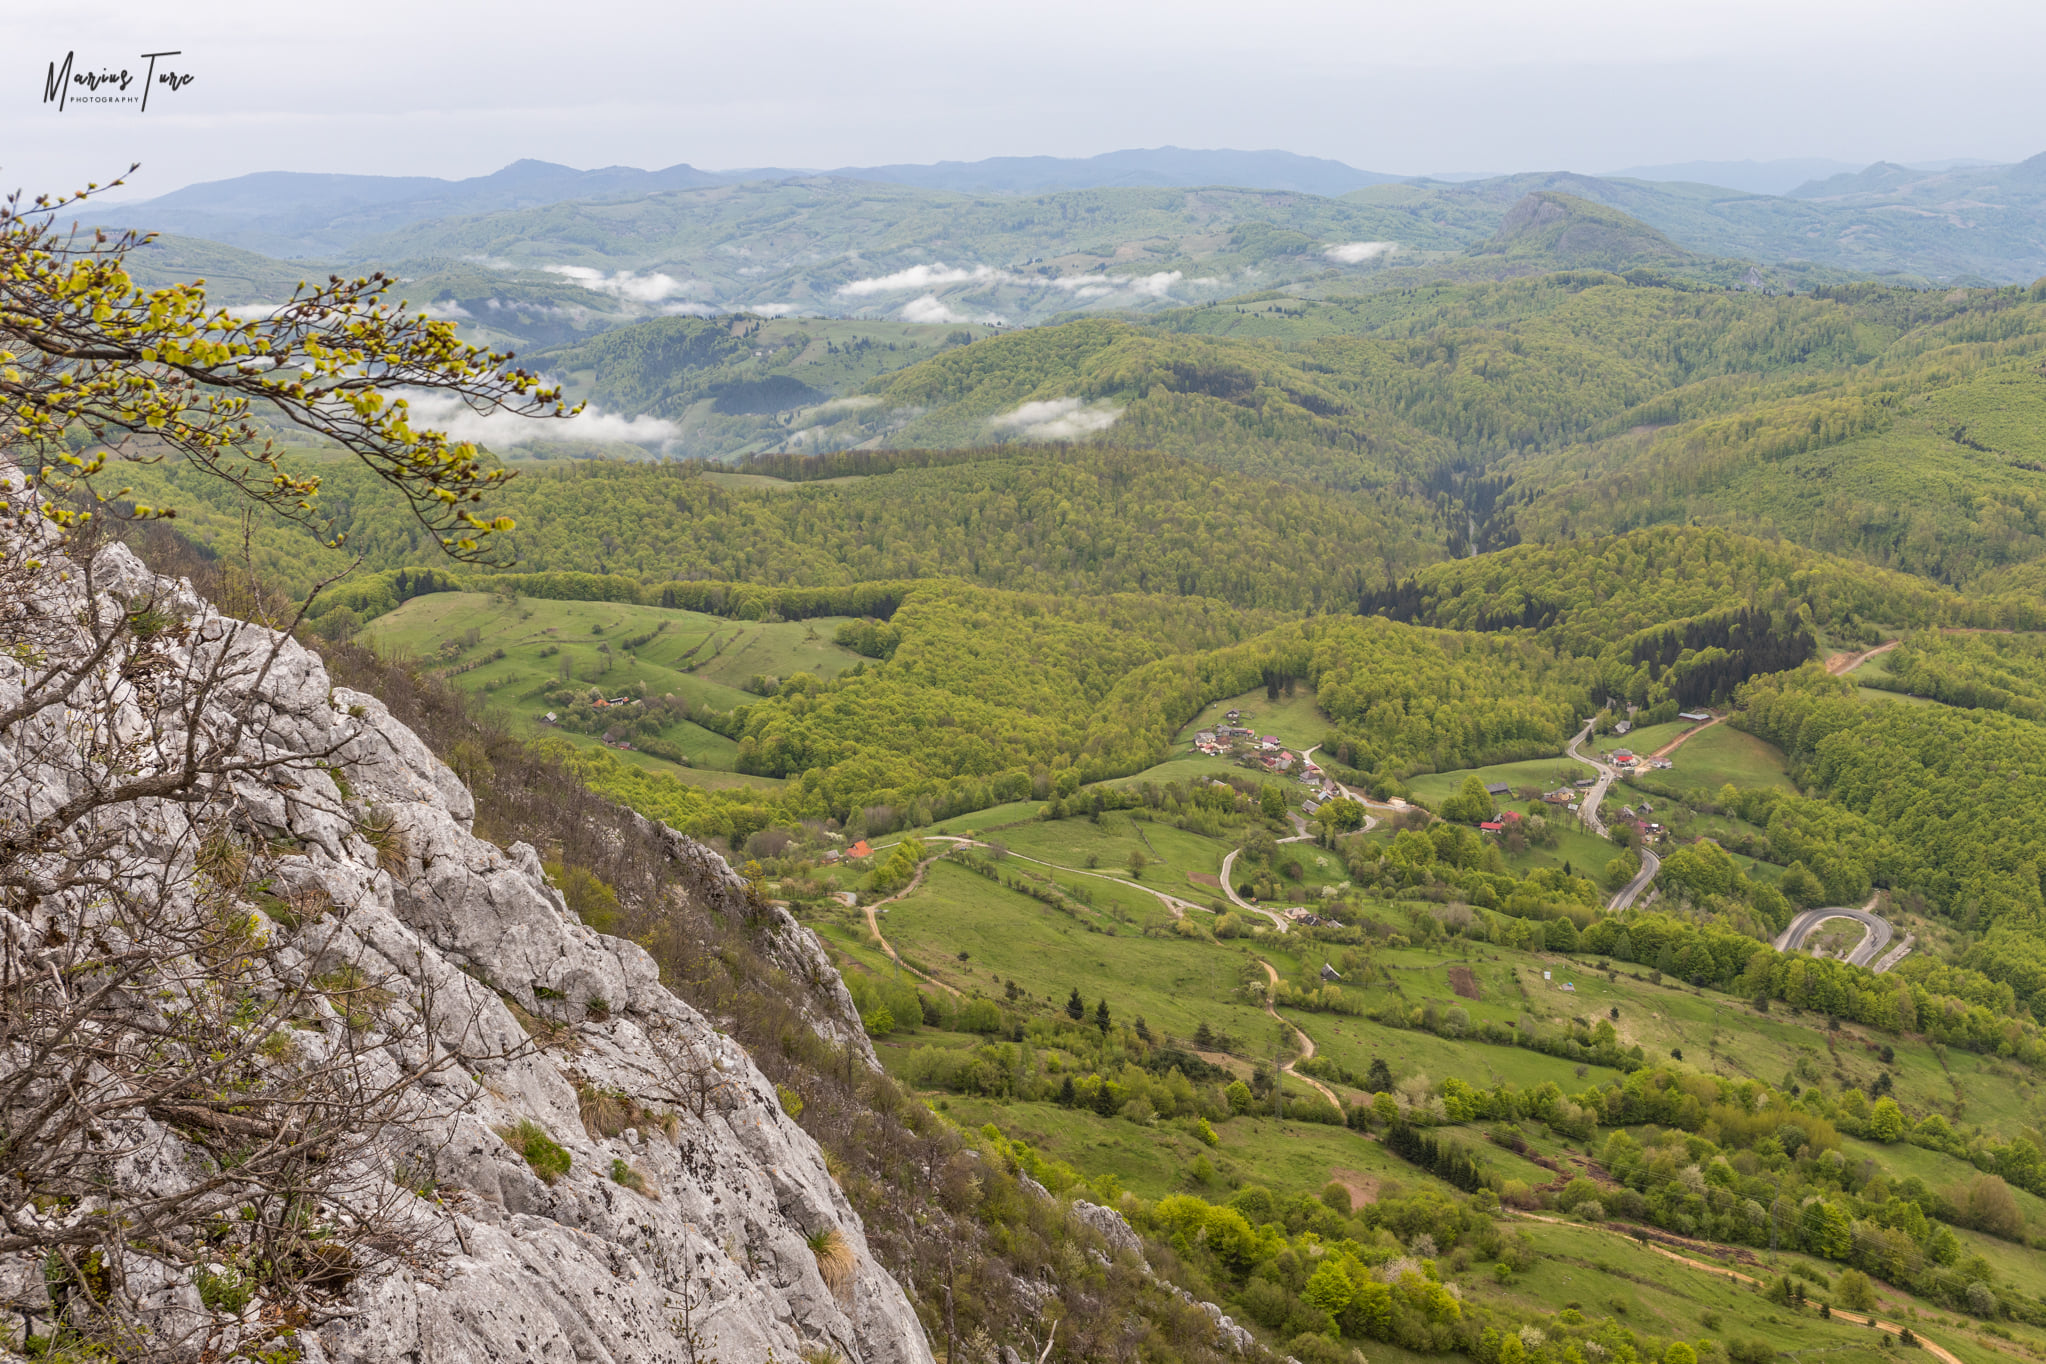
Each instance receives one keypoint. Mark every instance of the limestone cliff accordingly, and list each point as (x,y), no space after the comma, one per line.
(695,1219)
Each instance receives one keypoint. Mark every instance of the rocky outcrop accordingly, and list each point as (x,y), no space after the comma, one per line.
(587,1268)
(1110,1225)
(684,1225)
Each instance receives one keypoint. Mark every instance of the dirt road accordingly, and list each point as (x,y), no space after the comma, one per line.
(1674,744)
(874,922)
(1839,665)
(1306,1042)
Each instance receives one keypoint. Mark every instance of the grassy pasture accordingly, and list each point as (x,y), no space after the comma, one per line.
(1296,720)
(1174,983)
(699,657)
(1644,739)
(1436,787)
(1122,948)
(1156,1160)
(1724,754)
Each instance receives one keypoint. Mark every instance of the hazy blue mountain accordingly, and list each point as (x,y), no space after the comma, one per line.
(1755,177)
(1970,184)
(1977,225)
(292,213)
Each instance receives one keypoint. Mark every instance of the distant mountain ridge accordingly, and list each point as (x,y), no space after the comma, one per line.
(1972,185)
(296,213)
(292,213)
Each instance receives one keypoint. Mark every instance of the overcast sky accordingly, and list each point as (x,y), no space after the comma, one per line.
(456,89)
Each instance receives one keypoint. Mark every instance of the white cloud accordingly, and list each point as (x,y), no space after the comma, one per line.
(851,403)
(770,309)
(1058,419)
(444,412)
(928,277)
(626,285)
(242,312)
(448,307)
(928,309)
(692,310)
(942,276)
(1101,286)
(1356,253)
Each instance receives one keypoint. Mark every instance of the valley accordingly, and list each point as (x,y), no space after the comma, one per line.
(1391,771)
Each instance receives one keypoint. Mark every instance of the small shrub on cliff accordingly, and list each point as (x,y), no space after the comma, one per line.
(549,1159)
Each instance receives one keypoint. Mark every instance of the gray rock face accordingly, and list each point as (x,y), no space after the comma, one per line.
(717,1190)
(1110,1224)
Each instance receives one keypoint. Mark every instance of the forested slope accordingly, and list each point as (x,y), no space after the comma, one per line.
(1087,519)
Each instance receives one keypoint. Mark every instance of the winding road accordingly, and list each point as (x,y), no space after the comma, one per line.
(1306,1042)
(1876,933)
(1650,863)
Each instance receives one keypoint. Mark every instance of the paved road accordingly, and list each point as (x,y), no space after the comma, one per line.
(1650,865)
(1588,812)
(1876,933)
(1588,809)
(1229,889)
